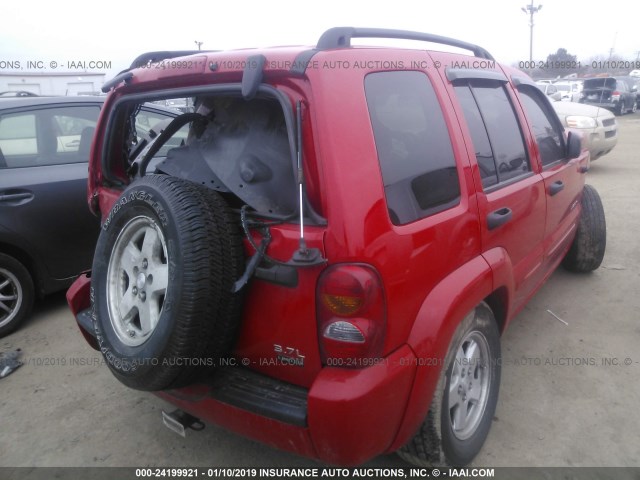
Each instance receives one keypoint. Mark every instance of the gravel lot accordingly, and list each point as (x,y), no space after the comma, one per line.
(569,393)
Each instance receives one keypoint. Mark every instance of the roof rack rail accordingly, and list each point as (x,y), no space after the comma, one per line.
(143,59)
(340,37)
(163,55)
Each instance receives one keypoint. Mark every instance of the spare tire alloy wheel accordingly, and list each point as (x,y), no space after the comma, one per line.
(165,263)
(137,280)
(462,408)
(16,294)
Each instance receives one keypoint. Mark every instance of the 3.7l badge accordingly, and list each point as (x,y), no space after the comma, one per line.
(288,355)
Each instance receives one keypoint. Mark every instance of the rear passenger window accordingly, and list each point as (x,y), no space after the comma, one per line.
(414,149)
(547,132)
(495,131)
(18,135)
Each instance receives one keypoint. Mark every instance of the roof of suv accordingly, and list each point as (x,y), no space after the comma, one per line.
(294,60)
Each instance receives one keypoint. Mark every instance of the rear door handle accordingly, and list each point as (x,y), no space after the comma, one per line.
(498,218)
(556,187)
(16,198)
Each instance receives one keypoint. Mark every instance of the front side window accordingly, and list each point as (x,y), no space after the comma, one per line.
(547,132)
(414,149)
(72,126)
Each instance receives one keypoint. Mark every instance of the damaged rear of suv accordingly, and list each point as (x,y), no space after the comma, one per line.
(323,253)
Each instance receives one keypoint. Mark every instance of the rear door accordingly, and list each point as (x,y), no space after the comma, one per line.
(43,184)
(511,197)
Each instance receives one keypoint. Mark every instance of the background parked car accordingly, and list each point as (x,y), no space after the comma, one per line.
(550,89)
(598,126)
(614,93)
(47,234)
(571,90)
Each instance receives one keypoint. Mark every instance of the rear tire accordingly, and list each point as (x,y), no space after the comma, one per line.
(621,108)
(465,399)
(165,263)
(16,294)
(588,247)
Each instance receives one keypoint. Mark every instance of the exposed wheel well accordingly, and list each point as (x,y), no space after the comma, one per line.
(498,302)
(28,263)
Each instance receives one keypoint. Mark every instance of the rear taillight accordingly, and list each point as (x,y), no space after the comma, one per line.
(615,93)
(352,315)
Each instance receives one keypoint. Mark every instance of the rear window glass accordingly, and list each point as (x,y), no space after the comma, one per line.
(414,149)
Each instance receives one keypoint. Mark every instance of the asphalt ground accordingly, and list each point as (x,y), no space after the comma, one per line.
(569,396)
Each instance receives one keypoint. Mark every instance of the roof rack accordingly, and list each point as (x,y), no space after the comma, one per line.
(340,37)
(143,59)
(153,57)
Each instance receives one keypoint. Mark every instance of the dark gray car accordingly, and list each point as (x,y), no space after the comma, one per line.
(617,94)
(47,233)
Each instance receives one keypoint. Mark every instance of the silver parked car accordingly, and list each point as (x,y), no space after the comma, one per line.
(598,126)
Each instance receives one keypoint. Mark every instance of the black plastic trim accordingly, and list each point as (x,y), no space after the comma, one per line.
(454,74)
(283,275)
(85,320)
(143,59)
(498,218)
(125,77)
(520,80)
(262,395)
(301,62)
(340,37)
(252,76)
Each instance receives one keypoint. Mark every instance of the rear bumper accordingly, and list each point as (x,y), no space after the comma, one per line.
(346,418)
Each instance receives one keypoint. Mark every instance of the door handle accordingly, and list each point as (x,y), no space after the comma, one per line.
(556,187)
(16,198)
(498,218)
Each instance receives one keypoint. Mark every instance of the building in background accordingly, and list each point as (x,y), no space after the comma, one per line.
(53,83)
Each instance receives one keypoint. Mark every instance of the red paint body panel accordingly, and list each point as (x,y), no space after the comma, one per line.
(271,432)
(353,414)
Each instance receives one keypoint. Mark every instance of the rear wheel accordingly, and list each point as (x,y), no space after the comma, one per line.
(465,399)
(588,247)
(622,109)
(16,294)
(165,263)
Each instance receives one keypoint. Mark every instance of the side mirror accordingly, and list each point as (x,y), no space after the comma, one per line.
(574,145)
(634,88)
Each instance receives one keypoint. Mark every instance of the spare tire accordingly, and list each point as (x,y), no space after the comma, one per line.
(165,263)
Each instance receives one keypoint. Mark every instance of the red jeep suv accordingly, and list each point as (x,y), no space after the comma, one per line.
(322,252)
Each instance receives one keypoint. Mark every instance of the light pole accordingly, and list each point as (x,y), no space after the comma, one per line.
(199,44)
(530,10)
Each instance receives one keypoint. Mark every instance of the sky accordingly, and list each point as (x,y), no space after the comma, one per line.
(117,31)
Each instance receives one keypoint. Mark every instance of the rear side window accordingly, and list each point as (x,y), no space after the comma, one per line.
(414,149)
(548,133)
(18,135)
(495,131)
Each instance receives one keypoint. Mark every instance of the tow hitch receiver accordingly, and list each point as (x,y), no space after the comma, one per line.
(179,421)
